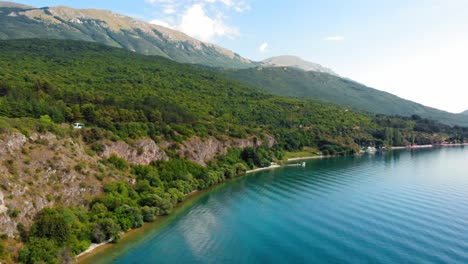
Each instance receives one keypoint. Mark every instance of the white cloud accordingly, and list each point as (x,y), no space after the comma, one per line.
(335,38)
(196,23)
(202,19)
(263,47)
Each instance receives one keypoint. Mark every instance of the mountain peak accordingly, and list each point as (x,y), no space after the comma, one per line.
(113,29)
(296,62)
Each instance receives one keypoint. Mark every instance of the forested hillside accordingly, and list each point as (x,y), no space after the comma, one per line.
(136,96)
(129,101)
(318,85)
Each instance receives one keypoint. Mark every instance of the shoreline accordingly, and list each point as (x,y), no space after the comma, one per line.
(129,236)
(92,247)
(263,168)
(454,145)
(413,147)
(311,157)
(430,146)
(80,258)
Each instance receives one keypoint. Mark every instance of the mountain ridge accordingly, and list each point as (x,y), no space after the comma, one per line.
(342,91)
(113,29)
(151,125)
(296,62)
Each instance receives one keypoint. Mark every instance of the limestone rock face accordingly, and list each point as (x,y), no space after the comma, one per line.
(42,170)
(11,143)
(145,151)
(202,151)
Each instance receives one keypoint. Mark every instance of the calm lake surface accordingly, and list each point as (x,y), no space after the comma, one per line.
(397,207)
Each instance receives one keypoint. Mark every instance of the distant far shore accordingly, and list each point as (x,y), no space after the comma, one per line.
(413,147)
(431,146)
(453,145)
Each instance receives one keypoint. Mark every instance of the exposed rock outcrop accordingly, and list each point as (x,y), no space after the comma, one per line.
(3,208)
(145,151)
(11,143)
(202,151)
(41,171)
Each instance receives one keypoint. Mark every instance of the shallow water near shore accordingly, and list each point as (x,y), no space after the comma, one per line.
(408,206)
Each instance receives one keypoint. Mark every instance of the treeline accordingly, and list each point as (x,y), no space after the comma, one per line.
(120,95)
(58,234)
(134,96)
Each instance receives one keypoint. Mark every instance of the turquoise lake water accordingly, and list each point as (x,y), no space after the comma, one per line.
(397,207)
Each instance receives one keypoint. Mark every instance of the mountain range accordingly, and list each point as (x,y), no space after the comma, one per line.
(156,130)
(282,75)
(109,28)
(294,82)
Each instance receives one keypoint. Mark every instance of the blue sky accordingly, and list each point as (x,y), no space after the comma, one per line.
(415,49)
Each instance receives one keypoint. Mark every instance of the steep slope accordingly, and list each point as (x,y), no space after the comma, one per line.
(296,62)
(113,88)
(112,29)
(156,130)
(345,92)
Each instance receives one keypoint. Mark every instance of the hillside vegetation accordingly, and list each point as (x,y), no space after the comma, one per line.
(138,96)
(123,98)
(311,84)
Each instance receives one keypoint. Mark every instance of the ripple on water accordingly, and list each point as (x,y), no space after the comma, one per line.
(401,207)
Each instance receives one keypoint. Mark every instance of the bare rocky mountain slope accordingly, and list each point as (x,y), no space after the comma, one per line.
(296,62)
(113,29)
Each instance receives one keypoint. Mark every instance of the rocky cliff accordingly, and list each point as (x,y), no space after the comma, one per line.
(144,151)
(201,151)
(41,170)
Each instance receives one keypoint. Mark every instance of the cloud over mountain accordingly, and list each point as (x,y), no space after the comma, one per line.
(202,19)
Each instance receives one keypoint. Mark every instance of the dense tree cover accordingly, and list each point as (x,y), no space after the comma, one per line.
(57,234)
(342,91)
(126,95)
(122,95)
(131,96)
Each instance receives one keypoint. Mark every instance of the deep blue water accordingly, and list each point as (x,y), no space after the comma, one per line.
(398,207)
